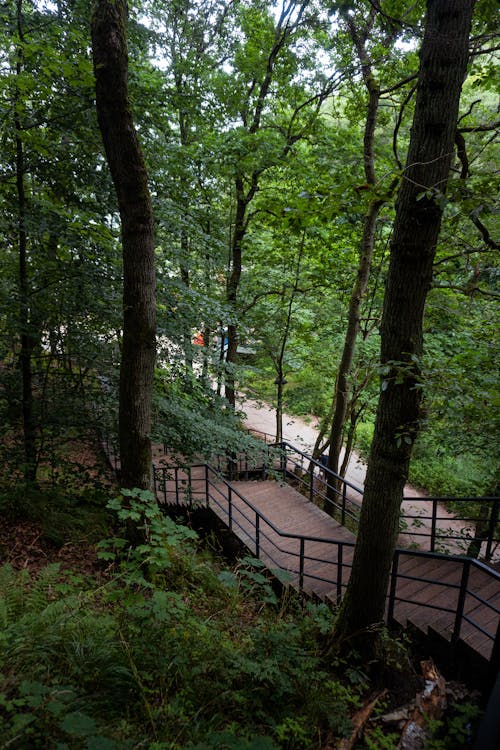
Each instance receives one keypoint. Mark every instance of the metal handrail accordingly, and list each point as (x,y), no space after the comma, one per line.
(342,499)
(220,492)
(259,433)
(317,478)
(261,518)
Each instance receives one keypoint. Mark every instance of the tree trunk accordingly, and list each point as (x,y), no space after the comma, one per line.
(280,359)
(128,170)
(279,407)
(233,282)
(443,61)
(187,336)
(26,333)
(342,388)
(342,385)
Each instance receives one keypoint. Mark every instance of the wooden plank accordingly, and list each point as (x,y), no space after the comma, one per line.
(432,583)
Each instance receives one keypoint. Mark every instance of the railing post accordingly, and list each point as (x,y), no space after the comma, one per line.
(461,600)
(176,475)
(340,565)
(301,563)
(207,486)
(495,654)
(257,535)
(344,497)
(283,460)
(311,486)
(189,491)
(392,590)
(433,525)
(164,471)
(491,527)
(230,506)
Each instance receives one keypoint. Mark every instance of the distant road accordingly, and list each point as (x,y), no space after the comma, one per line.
(296,430)
(302,434)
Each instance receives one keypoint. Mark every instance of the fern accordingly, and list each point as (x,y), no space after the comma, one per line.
(13,587)
(43,589)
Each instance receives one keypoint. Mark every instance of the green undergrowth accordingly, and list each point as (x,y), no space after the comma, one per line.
(63,516)
(169,648)
(439,473)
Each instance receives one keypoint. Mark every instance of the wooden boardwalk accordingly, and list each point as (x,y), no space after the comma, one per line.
(284,508)
(281,527)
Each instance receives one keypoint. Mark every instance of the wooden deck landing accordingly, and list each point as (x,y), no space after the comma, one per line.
(290,512)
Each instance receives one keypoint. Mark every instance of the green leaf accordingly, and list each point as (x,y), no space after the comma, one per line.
(98,742)
(78,724)
(228,579)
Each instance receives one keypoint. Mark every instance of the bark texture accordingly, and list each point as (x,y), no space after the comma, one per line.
(443,61)
(129,174)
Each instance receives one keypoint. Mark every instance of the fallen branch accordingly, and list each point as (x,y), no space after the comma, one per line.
(359,721)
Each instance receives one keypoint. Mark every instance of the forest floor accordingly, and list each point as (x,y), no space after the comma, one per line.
(29,543)
(24,545)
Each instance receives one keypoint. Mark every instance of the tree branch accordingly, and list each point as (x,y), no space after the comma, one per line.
(467,290)
(481,128)
(399,85)
(489,241)
(399,121)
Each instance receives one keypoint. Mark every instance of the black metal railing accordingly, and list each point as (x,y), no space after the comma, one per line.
(261,461)
(469,525)
(431,523)
(286,551)
(455,593)
(322,565)
(339,497)
(266,437)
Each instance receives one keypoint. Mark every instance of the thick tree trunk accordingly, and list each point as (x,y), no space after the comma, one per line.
(443,61)
(128,170)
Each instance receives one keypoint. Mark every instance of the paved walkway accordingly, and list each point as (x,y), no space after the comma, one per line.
(298,431)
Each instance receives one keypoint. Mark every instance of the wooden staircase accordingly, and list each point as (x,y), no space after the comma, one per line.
(454,599)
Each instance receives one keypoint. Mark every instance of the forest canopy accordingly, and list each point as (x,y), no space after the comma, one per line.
(274,138)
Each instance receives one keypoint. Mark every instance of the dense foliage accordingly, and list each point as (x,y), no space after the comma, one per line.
(253,119)
(169,648)
(252,122)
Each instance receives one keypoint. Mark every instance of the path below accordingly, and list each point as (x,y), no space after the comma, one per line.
(302,434)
